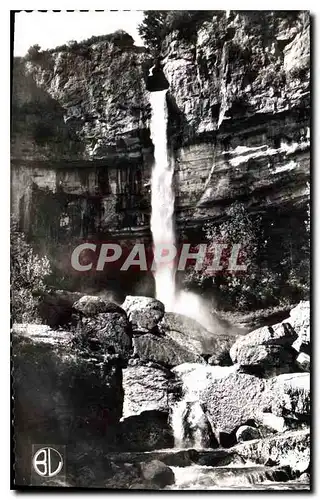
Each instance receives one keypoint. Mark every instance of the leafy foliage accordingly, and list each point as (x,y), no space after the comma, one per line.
(277,264)
(28,273)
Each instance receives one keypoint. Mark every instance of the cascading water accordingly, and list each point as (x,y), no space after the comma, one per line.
(188,420)
(162,198)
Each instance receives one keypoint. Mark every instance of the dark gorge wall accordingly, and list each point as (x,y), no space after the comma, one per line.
(238,129)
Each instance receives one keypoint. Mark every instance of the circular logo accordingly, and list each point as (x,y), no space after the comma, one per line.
(47,462)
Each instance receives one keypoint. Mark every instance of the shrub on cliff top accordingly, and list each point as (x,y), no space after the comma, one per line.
(28,273)
(157,24)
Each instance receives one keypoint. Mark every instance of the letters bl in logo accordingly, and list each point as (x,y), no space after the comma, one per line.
(47,461)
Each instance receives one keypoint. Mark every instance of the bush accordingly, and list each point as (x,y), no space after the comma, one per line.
(158,23)
(33,53)
(277,261)
(28,273)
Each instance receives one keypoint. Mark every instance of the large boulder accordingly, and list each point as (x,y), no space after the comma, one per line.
(300,321)
(147,388)
(147,431)
(55,307)
(144,312)
(288,448)
(163,350)
(247,433)
(189,333)
(90,305)
(232,400)
(288,395)
(267,347)
(102,325)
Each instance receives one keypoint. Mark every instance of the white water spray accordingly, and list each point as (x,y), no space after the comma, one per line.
(162,198)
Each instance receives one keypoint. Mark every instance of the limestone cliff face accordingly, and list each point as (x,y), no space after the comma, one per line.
(81,137)
(239,98)
(238,127)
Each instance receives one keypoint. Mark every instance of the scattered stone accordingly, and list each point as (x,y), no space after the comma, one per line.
(266,357)
(163,350)
(232,400)
(144,312)
(303,361)
(300,321)
(271,422)
(304,478)
(288,448)
(247,433)
(266,347)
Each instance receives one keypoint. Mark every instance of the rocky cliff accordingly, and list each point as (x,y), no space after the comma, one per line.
(238,128)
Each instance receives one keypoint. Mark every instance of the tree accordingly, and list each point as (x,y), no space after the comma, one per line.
(28,273)
(152,29)
(33,52)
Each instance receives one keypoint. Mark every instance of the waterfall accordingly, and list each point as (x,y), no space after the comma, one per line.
(189,423)
(162,198)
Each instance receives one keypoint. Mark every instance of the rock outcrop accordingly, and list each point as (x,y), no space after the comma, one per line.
(163,350)
(144,313)
(150,430)
(103,326)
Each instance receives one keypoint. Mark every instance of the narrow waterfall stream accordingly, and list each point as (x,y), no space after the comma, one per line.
(162,199)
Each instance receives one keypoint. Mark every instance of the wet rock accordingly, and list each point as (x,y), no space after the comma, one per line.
(288,448)
(232,400)
(266,421)
(189,333)
(303,361)
(266,358)
(304,478)
(90,305)
(163,350)
(62,393)
(147,388)
(247,433)
(150,430)
(157,474)
(56,307)
(108,331)
(266,347)
(288,395)
(144,313)
(300,321)
(235,478)
(191,426)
